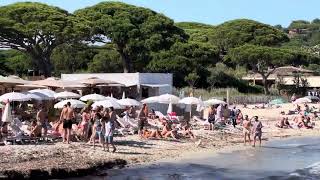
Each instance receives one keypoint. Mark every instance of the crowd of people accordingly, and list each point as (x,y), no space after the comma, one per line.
(222,115)
(97,125)
(304,118)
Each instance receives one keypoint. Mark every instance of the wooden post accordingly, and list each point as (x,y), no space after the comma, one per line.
(228,96)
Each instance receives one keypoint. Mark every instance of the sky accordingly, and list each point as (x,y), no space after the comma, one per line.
(213,12)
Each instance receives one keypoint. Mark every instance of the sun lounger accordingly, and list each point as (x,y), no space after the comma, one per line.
(155,125)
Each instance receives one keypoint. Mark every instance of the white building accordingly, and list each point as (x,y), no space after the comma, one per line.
(138,85)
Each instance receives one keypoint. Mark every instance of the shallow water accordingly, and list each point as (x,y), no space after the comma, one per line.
(297,158)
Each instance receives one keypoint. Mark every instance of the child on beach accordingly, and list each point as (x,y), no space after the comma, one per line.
(257,130)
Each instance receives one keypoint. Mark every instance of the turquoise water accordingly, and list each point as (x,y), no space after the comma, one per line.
(284,159)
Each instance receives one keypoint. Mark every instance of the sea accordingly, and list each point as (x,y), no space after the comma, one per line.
(287,159)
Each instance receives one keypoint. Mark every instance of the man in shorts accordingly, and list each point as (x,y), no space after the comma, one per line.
(246,124)
(257,130)
(67,115)
(42,120)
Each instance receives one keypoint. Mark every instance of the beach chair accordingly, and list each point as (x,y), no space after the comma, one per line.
(202,122)
(155,125)
(125,127)
(133,123)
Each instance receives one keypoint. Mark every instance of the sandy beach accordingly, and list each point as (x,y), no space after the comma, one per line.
(132,150)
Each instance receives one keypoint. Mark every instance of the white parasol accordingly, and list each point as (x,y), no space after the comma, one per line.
(129,102)
(34,96)
(74,104)
(66,95)
(153,99)
(123,95)
(47,92)
(107,103)
(168,98)
(214,102)
(14,96)
(93,97)
(190,100)
(302,101)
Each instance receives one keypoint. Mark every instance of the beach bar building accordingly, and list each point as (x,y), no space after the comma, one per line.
(135,85)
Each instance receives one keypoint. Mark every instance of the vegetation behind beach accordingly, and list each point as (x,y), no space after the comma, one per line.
(117,37)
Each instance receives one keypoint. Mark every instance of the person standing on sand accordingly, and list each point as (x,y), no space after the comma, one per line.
(109,130)
(41,118)
(246,124)
(211,116)
(66,116)
(257,130)
(143,114)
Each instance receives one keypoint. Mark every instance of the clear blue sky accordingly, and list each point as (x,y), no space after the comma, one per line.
(214,11)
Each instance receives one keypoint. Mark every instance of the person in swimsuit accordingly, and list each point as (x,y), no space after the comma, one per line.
(84,125)
(35,129)
(97,130)
(143,115)
(109,130)
(257,130)
(42,120)
(66,117)
(211,116)
(246,129)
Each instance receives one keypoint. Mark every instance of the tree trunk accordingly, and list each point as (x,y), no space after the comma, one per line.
(265,84)
(126,61)
(43,62)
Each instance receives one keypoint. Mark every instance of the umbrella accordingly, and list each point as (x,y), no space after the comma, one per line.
(153,99)
(93,97)
(190,100)
(54,82)
(14,96)
(313,98)
(214,102)
(12,81)
(168,98)
(302,100)
(93,81)
(123,95)
(74,104)
(34,96)
(6,115)
(107,103)
(129,102)
(112,98)
(49,94)
(66,95)
(277,101)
